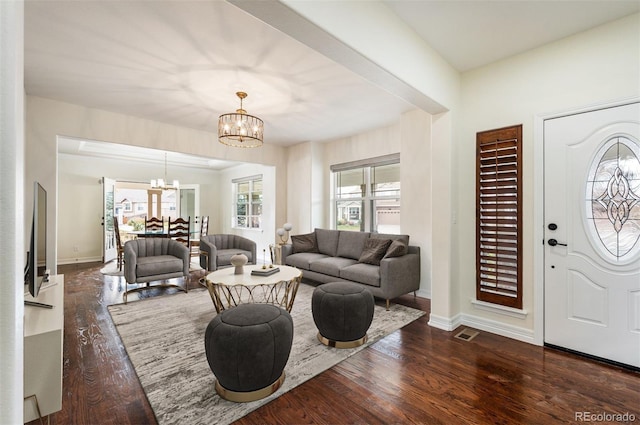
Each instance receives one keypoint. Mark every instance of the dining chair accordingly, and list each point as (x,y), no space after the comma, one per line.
(204,231)
(154,224)
(179,230)
(119,245)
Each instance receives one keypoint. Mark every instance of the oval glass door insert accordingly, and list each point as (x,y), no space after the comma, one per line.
(613,199)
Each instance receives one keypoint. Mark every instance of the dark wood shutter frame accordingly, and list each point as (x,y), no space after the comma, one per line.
(499,216)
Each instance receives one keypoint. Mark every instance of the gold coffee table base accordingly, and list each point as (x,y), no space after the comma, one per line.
(228,289)
(343,344)
(244,397)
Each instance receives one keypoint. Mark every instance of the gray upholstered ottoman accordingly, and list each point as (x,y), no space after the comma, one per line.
(247,349)
(342,312)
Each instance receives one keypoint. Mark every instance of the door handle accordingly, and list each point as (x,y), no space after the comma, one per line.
(554,242)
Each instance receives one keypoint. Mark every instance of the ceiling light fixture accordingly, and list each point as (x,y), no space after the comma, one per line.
(240,129)
(163,183)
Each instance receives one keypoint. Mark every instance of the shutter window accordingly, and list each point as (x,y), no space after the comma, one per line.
(499,216)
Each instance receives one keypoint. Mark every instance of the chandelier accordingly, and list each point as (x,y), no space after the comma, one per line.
(240,129)
(163,184)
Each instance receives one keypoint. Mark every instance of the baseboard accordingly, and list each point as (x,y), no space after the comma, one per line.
(483,324)
(63,261)
(445,323)
(423,293)
(499,328)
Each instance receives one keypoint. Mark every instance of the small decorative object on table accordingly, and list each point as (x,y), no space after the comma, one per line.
(239,260)
(264,258)
(283,233)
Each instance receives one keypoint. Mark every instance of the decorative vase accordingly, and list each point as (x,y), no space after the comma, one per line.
(239,260)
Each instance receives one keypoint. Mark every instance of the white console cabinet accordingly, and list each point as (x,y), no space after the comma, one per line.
(43,331)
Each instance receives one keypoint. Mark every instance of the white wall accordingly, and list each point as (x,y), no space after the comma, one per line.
(12,210)
(46,119)
(299,188)
(596,66)
(265,236)
(80,199)
(411,136)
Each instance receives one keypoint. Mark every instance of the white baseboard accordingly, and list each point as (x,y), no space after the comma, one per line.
(445,323)
(499,328)
(424,293)
(78,260)
(483,324)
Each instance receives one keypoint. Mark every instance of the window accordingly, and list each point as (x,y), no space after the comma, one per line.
(248,202)
(367,195)
(499,216)
(612,200)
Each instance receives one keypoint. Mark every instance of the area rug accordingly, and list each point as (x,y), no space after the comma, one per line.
(111,269)
(164,338)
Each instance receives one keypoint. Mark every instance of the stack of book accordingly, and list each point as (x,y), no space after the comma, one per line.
(265,272)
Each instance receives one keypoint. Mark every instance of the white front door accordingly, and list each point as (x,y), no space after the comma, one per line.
(592,233)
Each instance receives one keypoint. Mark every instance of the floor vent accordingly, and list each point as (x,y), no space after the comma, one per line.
(467,334)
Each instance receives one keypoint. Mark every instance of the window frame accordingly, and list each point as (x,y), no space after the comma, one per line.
(250,204)
(498,227)
(367,201)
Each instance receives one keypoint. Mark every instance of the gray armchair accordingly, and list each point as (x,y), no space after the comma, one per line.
(155,259)
(218,250)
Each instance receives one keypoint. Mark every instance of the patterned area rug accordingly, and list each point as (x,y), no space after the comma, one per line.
(164,337)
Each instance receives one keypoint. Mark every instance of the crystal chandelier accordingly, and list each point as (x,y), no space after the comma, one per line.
(240,129)
(163,184)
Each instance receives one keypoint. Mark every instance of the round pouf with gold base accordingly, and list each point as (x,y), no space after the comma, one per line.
(343,313)
(247,348)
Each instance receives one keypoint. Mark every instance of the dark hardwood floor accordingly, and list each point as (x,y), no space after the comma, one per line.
(418,374)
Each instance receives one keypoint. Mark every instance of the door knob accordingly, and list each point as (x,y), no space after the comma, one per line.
(554,242)
(552,226)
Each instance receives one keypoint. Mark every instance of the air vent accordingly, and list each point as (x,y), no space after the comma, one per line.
(467,334)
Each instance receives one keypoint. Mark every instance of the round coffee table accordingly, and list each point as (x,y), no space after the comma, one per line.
(228,289)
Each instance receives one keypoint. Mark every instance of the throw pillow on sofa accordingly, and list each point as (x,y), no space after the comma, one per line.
(374,250)
(397,248)
(304,243)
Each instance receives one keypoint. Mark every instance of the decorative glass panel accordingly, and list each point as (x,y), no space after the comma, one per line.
(613,199)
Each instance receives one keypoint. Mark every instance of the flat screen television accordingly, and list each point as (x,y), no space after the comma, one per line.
(36,271)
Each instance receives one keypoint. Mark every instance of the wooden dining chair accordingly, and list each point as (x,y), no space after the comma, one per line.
(204,231)
(119,245)
(179,230)
(154,224)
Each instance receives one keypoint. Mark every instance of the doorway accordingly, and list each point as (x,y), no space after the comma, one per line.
(592,233)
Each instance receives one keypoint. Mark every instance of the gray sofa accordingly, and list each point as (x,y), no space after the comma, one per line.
(218,250)
(336,255)
(155,259)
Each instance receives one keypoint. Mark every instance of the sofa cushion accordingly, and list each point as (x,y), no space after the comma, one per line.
(224,256)
(327,241)
(374,250)
(331,265)
(350,244)
(397,248)
(362,273)
(402,238)
(304,259)
(304,243)
(157,265)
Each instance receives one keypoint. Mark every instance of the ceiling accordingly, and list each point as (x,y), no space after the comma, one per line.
(181,61)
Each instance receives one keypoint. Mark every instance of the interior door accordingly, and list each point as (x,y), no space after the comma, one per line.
(110,251)
(592,233)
